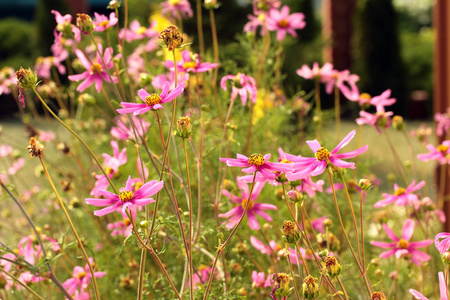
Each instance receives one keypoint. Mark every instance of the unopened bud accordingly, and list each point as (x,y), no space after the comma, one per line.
(398,123)
(290,232)
(84,23)
(336,171)
(365,184)
(310,287)
(184,127)
(86,99)
(114,4)
(375,262)
(446,257)
(295,196)
(332,266)
(327,222)
(26,79)
(144,224)
(211,4)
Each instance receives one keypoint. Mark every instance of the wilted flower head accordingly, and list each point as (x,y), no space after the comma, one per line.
(377,296)
(35,148)
(84,23)
(171,38)
(184,127)
(26,79)
(310,287)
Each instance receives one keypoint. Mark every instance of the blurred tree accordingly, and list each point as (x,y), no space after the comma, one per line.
(45,23)
(377,51)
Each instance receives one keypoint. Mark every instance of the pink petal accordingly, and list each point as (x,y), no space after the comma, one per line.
(252,221)
(408,229)
(390,233)
(314,145)
(344,142)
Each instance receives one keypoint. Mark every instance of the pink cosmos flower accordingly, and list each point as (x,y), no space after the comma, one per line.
(177,9)
(401,196)
(256,21)
(5,150)
(381,119)
(123,227)
(138,32)
(126,198)
(442,289)
(421,133)
(201,276)
(242,84)
(259,280)
(403,246)
(306,166)
(365,99)
(44,65)
(283,23)
(443,122)
(7,80)
(257,162)
(16,166)
(123,129)
(46,136)
(253,208)
(103,23)
(118,158)
(440,153)
(81,278)
(190,64)
(95,72)
(276,250)
(340,79)
(316,72)
(442,245)
(151,101)
(65,26)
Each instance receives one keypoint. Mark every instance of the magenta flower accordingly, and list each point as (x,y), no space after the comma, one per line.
(81,278)
(44,65)
(259,280)
(242,84)
(177,9)
(365,99)
(123,129)
(443,122)
(440,153)
(306,166)
(253,208)
(401,196)
(283,23)
(151,101)
(16,166)
(254,22)
(442,289)
(257,162)
(316,72)
(442,245)
(65,26)
(118,158)
(379,120)
(103,23)
(138,32)
(190,64)
(95,72)
(403,246)
(126,197)
(340,79)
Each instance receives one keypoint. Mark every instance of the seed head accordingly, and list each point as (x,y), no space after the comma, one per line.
(310,287)
(377,296)
(84,23)
(26,79)
(35,148)
(184,127)
(171,37)
(332,266)
(290,232)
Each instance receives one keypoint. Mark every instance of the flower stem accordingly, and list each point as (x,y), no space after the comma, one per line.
(80,243)
(191,269)
(215,44)
(21,283)
(78,137)
(363,261)
(292,274)
(201,43)
(337,112)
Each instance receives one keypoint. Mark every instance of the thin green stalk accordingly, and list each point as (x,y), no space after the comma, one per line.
(78,137)
(292,275)
(201,42)
(215,44)
(342,287)
(337,112)
(80,243)
(397,160)
(363,260)
(191,268)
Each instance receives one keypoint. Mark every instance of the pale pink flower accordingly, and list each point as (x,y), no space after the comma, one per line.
(151,101)
(65,26)
(316,72)
(124,130)
(340,79)
(5,150)
(442,242)
(253,208)
(257,162)
(190,64)
(364,99)
(46,136)
(256,21)
(81,278)
(160,80)
(103,23)
(283,23)
(242,85)
(442,289)
(275,250)
(126,198)
(440,153)
(402,246)
(123,227)
(421,133)
(118,158)
(401,196)
(200,277)
(7,80)
(44,65)
(177,9)
(381,119)
(16,166)
(96,71)
(313,166)
(138,32)
(259,280)
(443,122)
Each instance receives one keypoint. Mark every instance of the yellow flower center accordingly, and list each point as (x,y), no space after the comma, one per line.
(250,205)
(96,68)
(81,275)
(126,196)
(109,170)
(174,2)
(152,99)
(256,159)
(261,17)
(126,222)
(189,64)
(285,161)
(104,23)
(402,244)
(138,184)
(322,153)
(141,30)
(400,191)
(365,97)
(442,148)
(283,23)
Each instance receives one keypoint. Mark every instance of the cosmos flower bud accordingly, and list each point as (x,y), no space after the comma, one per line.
(365,184)
(328,223)
(228,185)
(310,287)
(336,171)
(184,127)
(171,38)
(114,4)
(144,224)
(446,257)
(295,183)
(332,266)
(377,296)
(295,196)
(290,232)
(26,79)
(375,262)
(211,4)
(86,99)
(334,243)
(281,288)
(35,148)
(398,123)
(84,23)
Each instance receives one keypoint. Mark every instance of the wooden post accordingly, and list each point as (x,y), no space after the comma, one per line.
(441,82)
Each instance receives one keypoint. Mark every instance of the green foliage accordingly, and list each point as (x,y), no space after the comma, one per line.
(16,48)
